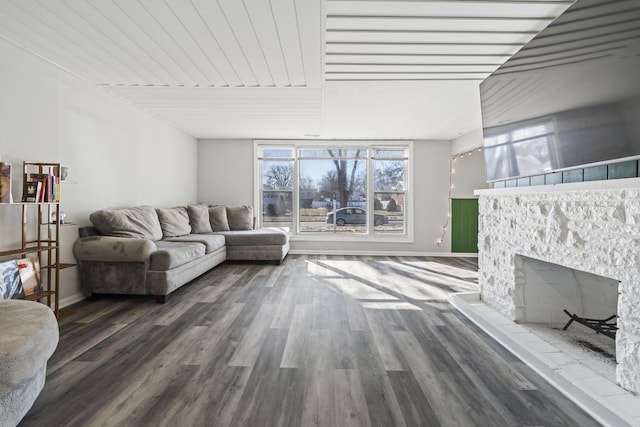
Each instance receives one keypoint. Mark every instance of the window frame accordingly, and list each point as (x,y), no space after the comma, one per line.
(370,145)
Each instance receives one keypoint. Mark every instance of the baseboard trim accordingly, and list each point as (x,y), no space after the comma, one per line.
(70,300)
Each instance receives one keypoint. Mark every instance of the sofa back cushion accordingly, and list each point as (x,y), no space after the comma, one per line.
(174,221)
(140,222)
(240,217)
(199,219)
(218,218)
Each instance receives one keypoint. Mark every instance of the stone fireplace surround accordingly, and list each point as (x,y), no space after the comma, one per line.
(592,227)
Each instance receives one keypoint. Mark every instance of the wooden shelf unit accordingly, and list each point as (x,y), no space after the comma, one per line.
(41,236)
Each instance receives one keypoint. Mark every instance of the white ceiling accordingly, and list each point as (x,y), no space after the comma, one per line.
(286,68)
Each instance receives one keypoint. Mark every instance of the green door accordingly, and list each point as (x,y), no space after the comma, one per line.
(464,225)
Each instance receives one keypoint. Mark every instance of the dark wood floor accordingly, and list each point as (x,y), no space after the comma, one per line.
(332,341)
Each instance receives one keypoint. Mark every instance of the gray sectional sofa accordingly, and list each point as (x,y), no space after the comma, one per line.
(148,251)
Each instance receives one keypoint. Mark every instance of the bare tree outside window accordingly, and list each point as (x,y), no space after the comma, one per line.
(345,174)
(279,177)
(388,173)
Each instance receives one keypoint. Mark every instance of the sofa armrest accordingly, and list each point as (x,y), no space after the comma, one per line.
(113,249)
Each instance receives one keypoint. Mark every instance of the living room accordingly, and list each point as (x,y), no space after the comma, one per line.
(119,155)
(129,143)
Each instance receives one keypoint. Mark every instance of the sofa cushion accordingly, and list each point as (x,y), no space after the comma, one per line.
(212,242)
(113,249)
(141,222)
(174,222)
(199,219)
(218,218)
(257,237)
(174,254)
(240,217)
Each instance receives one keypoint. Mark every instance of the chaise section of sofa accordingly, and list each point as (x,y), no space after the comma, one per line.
(148,251)
(244,242)
(262,244)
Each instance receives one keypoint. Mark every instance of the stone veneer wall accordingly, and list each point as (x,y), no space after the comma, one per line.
(597,231)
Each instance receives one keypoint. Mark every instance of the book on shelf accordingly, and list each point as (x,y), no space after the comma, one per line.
(10,283)
(29,269)
(5,182)
(41,179)
(30,191)
(48,189)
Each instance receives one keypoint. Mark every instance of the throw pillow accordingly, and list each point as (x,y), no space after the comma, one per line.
(141,222)
(240,217)
(218,218)
(174,221)
(199,219)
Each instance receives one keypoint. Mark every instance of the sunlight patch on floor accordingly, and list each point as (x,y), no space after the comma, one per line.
(390,305)
(361,269)
(316,268)
(358,290)
(414,280)
(427,282)
(449,270)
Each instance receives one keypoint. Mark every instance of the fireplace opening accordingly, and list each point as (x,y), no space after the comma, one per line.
(574,310)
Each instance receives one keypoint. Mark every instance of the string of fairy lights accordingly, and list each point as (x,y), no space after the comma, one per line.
(452,171)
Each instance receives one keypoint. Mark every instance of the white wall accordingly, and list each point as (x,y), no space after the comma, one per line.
(469,141)
(225,171)
(469,175)
(225,175)
(117,155)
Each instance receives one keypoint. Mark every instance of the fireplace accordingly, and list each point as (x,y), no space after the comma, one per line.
(555,237)
(544,290)
(575,310)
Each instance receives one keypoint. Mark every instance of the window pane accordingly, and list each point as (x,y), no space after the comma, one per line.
(277,175)
(276,209)
(390,153)
(389,175)
(280,152)
(389,213)
(389,187)
(332,153)
(325,184)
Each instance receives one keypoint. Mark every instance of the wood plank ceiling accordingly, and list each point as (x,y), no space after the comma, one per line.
(286,68)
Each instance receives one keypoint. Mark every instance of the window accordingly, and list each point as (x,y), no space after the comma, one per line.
(277,186)
(344,189)
(390,166)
